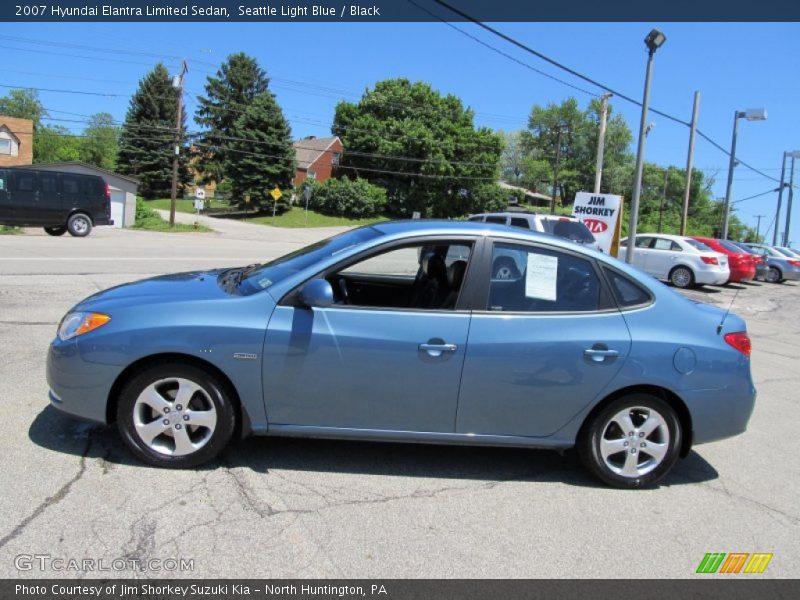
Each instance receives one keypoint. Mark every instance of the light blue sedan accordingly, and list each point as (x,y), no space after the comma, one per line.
(418,331)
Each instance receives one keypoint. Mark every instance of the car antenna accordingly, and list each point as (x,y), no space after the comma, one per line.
(725,316)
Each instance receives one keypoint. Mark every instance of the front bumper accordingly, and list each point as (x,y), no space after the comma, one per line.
(78,387)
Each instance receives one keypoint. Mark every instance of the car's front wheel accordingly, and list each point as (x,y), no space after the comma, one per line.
(633,442)
(175,415)
(681,277)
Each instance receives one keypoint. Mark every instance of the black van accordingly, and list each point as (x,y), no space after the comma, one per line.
(57,201)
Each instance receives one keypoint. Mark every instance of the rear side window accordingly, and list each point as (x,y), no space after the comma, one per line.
(627,292)
(500,220)
(518,222)
(571,230)
(48,182)
(476,218)
(70,185)
(526,279)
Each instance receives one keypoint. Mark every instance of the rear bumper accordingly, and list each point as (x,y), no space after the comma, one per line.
(791,274)
(712,277)
(722,413)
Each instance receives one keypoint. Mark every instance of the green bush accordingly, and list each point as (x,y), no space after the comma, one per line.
(356,198)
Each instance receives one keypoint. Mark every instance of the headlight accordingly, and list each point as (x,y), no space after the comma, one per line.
(78,323)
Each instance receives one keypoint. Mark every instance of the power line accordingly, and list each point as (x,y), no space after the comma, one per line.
(755,196)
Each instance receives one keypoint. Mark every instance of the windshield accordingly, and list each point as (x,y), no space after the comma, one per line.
(572,230)
(698,245)
(267,274)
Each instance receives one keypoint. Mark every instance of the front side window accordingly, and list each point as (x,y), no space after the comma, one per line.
(526,279)
(427,276)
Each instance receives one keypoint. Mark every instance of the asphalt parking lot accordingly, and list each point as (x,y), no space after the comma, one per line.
(304,508)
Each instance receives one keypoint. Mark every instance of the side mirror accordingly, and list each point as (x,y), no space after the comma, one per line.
(317,293)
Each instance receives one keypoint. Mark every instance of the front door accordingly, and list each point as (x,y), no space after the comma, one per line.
(387,356)
(546,344)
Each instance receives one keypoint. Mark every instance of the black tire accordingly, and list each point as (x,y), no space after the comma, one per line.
(210,392)
(79,225)
(774,275)
(55,231)
(603,427)
(681,277)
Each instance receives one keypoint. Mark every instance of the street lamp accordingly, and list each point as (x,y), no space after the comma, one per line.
(751,114)
(654,40)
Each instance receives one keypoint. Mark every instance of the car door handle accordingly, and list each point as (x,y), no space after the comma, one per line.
(437,349)
(599,352)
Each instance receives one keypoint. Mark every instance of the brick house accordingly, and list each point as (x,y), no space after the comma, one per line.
(16,142)
(317,158)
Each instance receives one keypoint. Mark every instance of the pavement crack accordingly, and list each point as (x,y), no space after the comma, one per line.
(50,500)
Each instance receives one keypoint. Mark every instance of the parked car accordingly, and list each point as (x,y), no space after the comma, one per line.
(742,264)
(779,266)
(365,336)
(682,261)
(790,252)
(569,228)
(759,260)
(57,201)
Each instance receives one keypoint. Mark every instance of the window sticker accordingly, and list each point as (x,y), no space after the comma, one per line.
(540,277)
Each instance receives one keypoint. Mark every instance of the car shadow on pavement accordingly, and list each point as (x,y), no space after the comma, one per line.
(59,433)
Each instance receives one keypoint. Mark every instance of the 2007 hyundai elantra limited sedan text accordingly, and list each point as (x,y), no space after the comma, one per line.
(417,331)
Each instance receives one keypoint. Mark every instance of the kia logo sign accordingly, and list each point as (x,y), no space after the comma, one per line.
(595,226)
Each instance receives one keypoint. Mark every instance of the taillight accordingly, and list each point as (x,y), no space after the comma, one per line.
(108,193)
(794,263)
(739,340)
(710,260)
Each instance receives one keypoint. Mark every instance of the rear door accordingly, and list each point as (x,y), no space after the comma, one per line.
(542,344)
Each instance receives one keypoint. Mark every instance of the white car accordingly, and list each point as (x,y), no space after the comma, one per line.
(682,261)
(566,227)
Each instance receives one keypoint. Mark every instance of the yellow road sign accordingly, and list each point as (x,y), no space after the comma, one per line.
(276,194)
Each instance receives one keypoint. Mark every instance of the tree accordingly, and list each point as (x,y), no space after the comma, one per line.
(578,152)
(55,144)
(261,153)
(421,146)
(23,104)
(238,81)
(100,143)
(147,139)
(512,160)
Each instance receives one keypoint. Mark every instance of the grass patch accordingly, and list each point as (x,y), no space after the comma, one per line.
(148,219)
(184,205)
(296,219)
(9,230)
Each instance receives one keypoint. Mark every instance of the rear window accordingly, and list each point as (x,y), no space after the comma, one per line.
(698,245)
(572,230)
(519,222)
(730,246)
(785,252)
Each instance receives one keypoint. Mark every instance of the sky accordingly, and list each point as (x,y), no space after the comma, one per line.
(312,66)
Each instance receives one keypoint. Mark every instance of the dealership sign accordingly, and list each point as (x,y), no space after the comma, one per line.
(601,214)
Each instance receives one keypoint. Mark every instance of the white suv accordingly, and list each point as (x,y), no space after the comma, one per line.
(566,227)
(682,261)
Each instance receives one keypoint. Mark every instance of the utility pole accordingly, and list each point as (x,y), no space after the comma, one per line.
(780,201)
(555,171)
(789,203)
(758,228)
(601,141)
(689,160)
(177,82)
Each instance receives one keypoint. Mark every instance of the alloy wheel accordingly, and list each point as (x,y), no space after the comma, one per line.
(634,441)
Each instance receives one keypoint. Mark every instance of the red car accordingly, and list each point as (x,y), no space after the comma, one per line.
(742,264)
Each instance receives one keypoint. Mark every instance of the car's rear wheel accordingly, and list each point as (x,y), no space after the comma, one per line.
(774,275)
(633,442)
(56,231)
(175,415)
(681,277)
(79,225)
